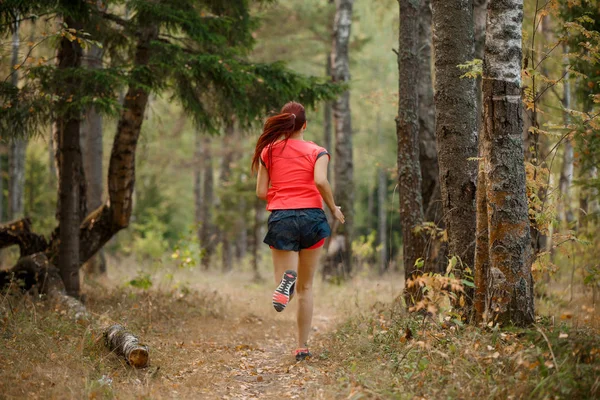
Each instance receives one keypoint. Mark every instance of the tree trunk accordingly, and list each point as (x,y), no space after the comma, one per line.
(510,285)
(69,56)
(91,144)
(198,159)
(259,212)
(241,241)
(343,167)
(382,218)
(482,256)
(407,131)
(381,205)
(430,189)
(327,118)
(17,147)
(207,234)
(101,224)
(565,212)
(225,204)
(456,125)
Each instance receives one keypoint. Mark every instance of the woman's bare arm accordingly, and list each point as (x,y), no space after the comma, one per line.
(325,189)
(262,182)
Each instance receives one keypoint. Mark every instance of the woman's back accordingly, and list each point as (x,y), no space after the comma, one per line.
(291,166)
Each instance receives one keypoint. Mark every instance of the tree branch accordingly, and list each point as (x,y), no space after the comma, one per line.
(19,233)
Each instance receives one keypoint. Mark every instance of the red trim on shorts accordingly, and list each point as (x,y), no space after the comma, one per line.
(320,243)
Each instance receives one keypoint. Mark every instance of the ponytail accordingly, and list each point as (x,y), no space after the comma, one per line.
(275,127)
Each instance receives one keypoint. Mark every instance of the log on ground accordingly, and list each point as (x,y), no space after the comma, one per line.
(127,345)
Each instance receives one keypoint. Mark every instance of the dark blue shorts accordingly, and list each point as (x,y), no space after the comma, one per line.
(296,229)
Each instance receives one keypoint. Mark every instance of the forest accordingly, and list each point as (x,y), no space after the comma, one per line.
(464,142)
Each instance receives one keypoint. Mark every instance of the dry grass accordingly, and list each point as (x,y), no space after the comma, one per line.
(216,336)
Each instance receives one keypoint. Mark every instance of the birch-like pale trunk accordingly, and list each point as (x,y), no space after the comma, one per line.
(509,294)
(565,211)
(127,345)
(407,131)
(456,124)
(343,167)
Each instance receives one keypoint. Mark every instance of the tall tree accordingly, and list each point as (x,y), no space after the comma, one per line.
(407,131)
(69,155)
(508,279)
(198,157)
(205,215)
(91,145)
(343,167)
(427,143)
(203,64)
(18,145)
(565,212)
(226,225)
(382,189)
(456,123)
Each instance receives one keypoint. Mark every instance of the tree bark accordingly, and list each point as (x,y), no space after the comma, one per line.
(101,224)
(69,56)
(456,125)
(17,147)
(19,233)
(198,159)
(91,143)
(510,285)
(127,345)
(565,212)
(207,233)
(382,218)
(343,167)
(327,119)
(430,189)
(482,256)
(225,204)
(407,131)
(259,212)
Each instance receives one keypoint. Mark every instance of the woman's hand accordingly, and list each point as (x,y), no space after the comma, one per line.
(339,215)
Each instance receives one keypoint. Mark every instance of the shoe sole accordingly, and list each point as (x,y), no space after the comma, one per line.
(281,297)
(303,356)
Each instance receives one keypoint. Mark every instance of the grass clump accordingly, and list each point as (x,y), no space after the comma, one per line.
(389,353)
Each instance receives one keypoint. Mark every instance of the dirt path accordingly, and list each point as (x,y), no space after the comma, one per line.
(247,353)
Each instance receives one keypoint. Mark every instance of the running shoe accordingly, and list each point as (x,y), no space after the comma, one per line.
(302,354)
(285,290)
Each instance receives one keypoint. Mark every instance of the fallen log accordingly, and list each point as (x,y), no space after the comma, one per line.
(19,233)
(127,345)
(35,273)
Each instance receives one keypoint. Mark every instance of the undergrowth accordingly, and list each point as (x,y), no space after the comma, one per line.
(44,354)
(389,353)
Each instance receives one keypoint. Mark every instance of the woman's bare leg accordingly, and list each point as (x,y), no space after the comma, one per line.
(282,261)
(308,261)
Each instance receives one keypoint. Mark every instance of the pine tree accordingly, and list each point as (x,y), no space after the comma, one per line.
(195,50)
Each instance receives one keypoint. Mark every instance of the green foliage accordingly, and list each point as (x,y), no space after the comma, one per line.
(142,281)
(472,69)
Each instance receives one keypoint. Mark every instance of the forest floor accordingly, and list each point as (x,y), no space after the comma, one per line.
(217,336)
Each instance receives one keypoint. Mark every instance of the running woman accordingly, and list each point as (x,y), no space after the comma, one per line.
(292,178)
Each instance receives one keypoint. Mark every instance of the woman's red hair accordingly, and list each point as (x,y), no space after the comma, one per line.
(281,126)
